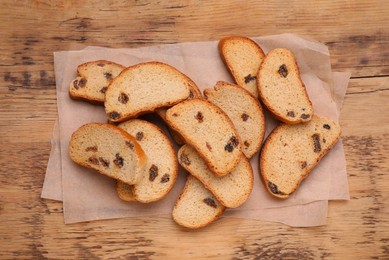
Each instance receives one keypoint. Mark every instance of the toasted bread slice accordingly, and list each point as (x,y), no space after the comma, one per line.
(162,166)
(144,87)
(242,56)
(244,111)
(292,151)
(196,207)
(231,190)
(281,89)
(93,80)
(210,131)
(109,150)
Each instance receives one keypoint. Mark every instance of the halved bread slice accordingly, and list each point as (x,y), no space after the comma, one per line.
(292,151)
(244,111)
(231,190)
(144,87)
(124,191)
(109,150)
(93,79)
(196,207)
(281,89)
(242,56)
(162,166)
(210,131)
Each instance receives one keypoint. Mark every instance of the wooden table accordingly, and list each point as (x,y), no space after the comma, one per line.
(357,34)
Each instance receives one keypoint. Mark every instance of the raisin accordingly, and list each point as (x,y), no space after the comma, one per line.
(199,117)
(123,98)
(191,95)
(93,160)
(246,143)
(231,144)
(75,84)
(245,117)
(185,159)
(101,64)
(274,188)
(249,78)
(114,115)
(130,144)
(324,140)
(305,116)
(283,70)
(303,165)
(327,126)
(210,202)
(316,143)
(118,161)
(165,178)
(139,136)
(103,90)
(153,172)
(290,114)
(208,146)
(104,162)
(91,149)
(175,114)
(108,75)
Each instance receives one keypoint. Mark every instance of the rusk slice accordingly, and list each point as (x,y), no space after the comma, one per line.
(244,111)
(281,88)
(144,87)
(242,56)
(231,190)
(210,131)
(162,167)
(109,150)
(292,151)
(196,207)
(93,80)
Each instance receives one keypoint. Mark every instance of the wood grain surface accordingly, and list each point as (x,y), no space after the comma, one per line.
(357,34)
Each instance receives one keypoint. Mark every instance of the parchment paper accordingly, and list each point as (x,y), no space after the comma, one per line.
(88,195)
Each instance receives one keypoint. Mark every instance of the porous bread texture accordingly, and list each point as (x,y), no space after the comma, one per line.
(244,111)
(196,207)
(210,131)
(108,150)
(281,89)
(242,56)
(292,151)
(144,87)
(231,190)
(162,167)
(194,93)
(93,79)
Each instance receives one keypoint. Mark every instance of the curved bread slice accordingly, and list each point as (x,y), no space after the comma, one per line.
(144,87)
(109,150)
(210,131)
(231,190)
(281,88)
(194,93)
(292,151)
(93,79)
(196,207)
(244,111)
(162,167)
(242,56)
